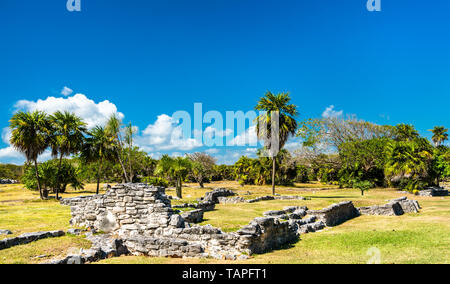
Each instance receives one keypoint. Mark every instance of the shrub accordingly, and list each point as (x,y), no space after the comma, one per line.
(156,181)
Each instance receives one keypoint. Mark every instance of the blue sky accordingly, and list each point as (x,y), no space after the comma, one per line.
(152,58)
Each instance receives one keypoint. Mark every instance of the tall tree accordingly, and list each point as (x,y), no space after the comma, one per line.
(202,167)
(98,148)
(410,160)
(175,169)
(405,132)
(113,129)
(129,133)
(30,135)
(67,138)
(440,135)
(278,105)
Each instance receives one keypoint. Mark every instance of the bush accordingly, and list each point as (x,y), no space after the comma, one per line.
(48,174)
(156,181)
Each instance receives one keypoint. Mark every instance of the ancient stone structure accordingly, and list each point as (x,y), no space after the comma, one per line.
(213,196)
(394,207)
(194,216)
(231,200)
(5,232)
(76,200)
(28,238)
(138,219)
(142,218)
(433,191)
(8,181)
(238,199)
(336,213)
(103,246)
(262,198)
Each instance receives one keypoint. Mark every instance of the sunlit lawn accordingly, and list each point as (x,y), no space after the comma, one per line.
(412,238)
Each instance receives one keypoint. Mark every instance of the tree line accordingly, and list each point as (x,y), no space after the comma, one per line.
(344,151)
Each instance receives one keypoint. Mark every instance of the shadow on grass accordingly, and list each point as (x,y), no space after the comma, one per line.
(328,197)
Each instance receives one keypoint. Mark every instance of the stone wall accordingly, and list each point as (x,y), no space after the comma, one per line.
(144,223)
(28,238)
(395,207)
(194,216)
(142,217)
(336,214)
(433,191)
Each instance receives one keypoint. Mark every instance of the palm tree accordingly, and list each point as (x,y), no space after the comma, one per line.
(276,105)
(176,169)
(113,129)
(406,159)
(129,132)
(405,132)
(98,148)
(67,138)
(30,135)
(440,135)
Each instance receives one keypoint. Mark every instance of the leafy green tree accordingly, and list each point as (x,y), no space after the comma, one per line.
(223,172)
(31,136)
(67,137)
(202,167)
(113,129)
(276,105)
(440,135)
(365,158)
(363,186)
(48,173)
(129,133)
(176,169)
(440,166)
(98,148)
(243,170)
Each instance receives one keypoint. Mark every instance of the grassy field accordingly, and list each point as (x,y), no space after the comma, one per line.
(412,238)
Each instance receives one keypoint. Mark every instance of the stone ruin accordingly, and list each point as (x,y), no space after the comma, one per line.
(395,207)
(142,218)
(138,219)
(433,191)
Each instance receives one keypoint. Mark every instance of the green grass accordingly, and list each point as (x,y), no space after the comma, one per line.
(411,238)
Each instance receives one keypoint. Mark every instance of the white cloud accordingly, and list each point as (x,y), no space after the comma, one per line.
(331,113)
(248,138)
(212,151)
(91,112)
(66,91)
(211,132)
(166,134)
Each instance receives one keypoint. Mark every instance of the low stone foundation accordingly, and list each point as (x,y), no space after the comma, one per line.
(5,232)
(434,191)
(194,216)
(28,238)
(143,219)
(336,214)
(394,207)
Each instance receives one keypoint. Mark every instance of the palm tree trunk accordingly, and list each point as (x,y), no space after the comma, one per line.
(58,178)
(273,175)
(123,167)
(98,175)
(179,188)
(38,180)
